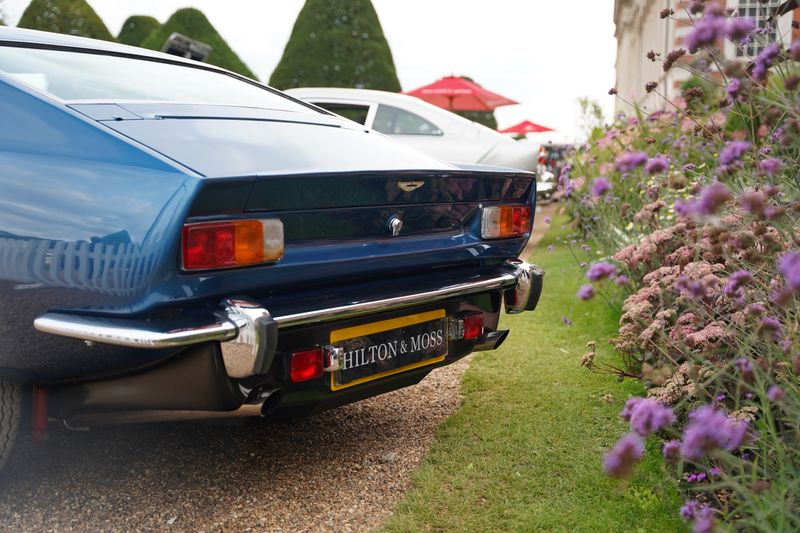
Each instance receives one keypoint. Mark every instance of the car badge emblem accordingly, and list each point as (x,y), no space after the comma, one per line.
(395,225)
(409,186)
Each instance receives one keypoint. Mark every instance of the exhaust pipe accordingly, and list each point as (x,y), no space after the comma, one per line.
(268,403)
(491,341)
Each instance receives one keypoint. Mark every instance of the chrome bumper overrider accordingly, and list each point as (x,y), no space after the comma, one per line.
(248,333)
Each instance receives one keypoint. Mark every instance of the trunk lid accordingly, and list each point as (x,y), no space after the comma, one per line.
(335,186)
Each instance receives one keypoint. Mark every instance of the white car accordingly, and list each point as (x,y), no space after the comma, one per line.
(424,126)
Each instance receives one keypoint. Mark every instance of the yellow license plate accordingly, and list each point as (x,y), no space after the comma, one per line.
(380,349)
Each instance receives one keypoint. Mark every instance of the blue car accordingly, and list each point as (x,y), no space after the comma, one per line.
(179,242)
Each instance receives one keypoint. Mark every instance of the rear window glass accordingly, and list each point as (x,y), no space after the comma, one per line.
(396,121)
(356,113)
(84,76)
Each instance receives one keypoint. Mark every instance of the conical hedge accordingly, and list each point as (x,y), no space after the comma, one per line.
(337,43)
(136,29)
(192,23)
(71,17)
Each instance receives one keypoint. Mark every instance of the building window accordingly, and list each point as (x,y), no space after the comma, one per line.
(760,12)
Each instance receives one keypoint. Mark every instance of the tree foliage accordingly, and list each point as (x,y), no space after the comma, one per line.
(194,24)
(136,29)
(71,17)
(337,43)
(2,14)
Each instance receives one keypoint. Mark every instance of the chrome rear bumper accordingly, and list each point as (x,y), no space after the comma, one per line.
(248,333)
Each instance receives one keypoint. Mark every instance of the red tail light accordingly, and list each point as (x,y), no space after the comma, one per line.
(473,326)
(306,365)
(505,221)
(208,245)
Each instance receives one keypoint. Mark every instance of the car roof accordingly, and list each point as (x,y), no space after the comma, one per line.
(48,39)
(389,98)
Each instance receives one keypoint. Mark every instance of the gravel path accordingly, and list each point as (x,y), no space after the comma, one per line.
(339,471)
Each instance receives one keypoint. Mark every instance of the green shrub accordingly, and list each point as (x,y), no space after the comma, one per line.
(696,209)
(337,43)
(136,29)
(71,17)
(192,23)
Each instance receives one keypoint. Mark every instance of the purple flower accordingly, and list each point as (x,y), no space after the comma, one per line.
(600,186)
(601,271)
(709,430)
(689,510)
(764,60)
(771,326)
(770,166)
(775,394)
(671,451)
(745,368)
(707,30)
(657,164)
(739,28)
(734,86)
(733,288)
(620,460)
(711,198)
(547,220)
(691,288)
(789,267)
(733,151)
(649,416)
(621,280)
(566,321)
(630,406)
(630,160)
(586,292)
(720,397)
(794,50)
(704,520)
(755,309)
(715,472)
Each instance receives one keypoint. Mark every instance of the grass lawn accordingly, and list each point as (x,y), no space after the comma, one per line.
(524,452)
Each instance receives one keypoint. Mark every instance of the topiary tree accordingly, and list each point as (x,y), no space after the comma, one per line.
(337,43)
(71,17)
(136,29)
(192,23)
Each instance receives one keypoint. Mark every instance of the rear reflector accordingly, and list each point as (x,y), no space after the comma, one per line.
(473,326)
(502,221)
(306,365)
(233,243)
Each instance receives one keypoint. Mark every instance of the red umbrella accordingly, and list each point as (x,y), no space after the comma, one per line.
(526,126)
(454,93)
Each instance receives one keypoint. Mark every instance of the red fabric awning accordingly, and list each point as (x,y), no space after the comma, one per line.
(526,126)
(459,94)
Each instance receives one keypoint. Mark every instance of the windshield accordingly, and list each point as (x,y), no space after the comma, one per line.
(89,76)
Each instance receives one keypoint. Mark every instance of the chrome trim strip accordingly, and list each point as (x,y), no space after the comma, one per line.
(399,302)
(131,333)
(246,323)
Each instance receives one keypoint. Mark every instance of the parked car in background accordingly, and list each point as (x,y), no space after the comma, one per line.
(424,126)
(180,242)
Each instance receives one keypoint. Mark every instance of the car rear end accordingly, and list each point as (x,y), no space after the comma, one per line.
(294,261)
(310,291)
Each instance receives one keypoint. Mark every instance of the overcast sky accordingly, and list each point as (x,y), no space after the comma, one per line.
(543,53)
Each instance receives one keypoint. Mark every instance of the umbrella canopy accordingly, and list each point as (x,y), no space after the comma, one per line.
(526,126)
(459,94)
